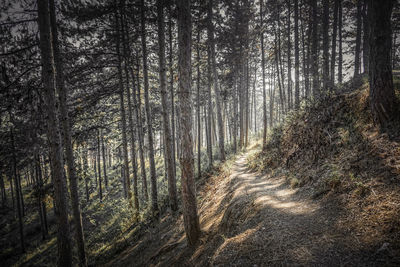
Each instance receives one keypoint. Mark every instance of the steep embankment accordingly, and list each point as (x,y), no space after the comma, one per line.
(325,192)
(334,153)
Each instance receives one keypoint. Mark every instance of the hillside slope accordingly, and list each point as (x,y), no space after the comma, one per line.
(325,192)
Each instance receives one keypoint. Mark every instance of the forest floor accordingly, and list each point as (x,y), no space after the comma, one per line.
(253,219)
(324,192)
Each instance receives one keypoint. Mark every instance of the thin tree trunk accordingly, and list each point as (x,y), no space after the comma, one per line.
(95,167)
(314,50)
(173,201)
(41,202)
(99,165)
(334,35)
(218,100)
(136,103)
(296,56)
(325,44)
(153,177)
(289,96)
(86,174)
(3,191)
(340,52)
(126,53)
(17,194)
(365,37)
(263,77)
(126,178)
(358,39)
(209,114)
(235,113)
(171,86)
(103,151)
(198,107)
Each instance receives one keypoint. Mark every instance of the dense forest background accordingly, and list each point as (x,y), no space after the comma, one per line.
(113,112)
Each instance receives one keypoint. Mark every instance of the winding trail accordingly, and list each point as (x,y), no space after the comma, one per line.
(249,219)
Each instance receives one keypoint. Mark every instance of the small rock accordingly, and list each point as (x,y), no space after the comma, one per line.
(384,247)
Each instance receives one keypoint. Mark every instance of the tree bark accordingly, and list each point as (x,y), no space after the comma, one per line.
(289,85)
(340,53)
(127,181)
(171,86)
(296,56)
(264,140)
(358,40)
(17,194)
(66,127)
(173,201)
(325,44)
(138,113)
(334,38)
(103,152)
(153,177)
(380,68)
(209,114)
(314,50)
(99,165)
(221,135)
(53,135)
(127,54)
(198,106)
(190,218)
(365,37)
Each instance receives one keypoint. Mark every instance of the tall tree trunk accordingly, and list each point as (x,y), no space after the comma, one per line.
(314,49)
(340,52)
(307,55)
(365,37)
(126,178)
(40,197)
(255,99)
(235,112)
(53,135)
(65,123)
(94,160)
(325,44)
(211,43)
(190,218)
(334,35)
(209,114)
(171,85)
(12,191)
(153,177)
(86,172)
(173,201)
(103,152)
(17,194)
(198,106)
(280,68)
(127,54)
(380,68)
(296,56)
(138,113)
(263,76)
(358,39)
(289,96)
(99,165)
(3,191)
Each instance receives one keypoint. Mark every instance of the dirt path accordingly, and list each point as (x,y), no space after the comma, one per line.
(258,220)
